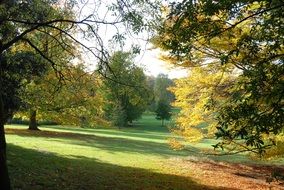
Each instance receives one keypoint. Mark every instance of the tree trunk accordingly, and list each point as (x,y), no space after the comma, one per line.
(33,121)
(4,175)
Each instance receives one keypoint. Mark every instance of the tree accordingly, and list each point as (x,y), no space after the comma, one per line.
(161,92)
(199,97)
(246,37)
(18,64)
(151,84)
(163,111)
(126,89)
(159,85)
(76,102)
(26,64)
(163,97)
(37,94)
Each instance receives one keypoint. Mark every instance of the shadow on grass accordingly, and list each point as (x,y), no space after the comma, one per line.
(133,132)
(147,128)
(115,144)
(30,169)
(133,146)
(109,144)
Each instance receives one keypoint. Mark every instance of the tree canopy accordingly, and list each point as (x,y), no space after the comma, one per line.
(126,89)
(75,102)
(161,92)
(241,37)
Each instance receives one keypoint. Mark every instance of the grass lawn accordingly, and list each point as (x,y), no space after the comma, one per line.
(136,157)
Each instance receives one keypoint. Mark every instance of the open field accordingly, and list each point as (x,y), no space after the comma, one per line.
(136,157)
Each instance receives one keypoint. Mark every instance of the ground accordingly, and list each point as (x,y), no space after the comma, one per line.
(136,157)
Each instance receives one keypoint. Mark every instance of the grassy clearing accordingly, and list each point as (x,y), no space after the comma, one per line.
(136,157)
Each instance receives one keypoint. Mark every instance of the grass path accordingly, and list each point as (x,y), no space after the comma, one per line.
(130,158)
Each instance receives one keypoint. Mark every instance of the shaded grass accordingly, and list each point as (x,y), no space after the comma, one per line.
(31,169)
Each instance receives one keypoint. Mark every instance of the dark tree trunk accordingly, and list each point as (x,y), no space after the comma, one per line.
(4,175)
(33,121)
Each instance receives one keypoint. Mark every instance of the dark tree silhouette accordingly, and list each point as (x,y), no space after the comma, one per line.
(163,111)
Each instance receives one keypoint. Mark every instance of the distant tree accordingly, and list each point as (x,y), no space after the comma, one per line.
(125,89)
(159,86)
(163,111)
(161,92)
(163,97)
(152,103)
(118,116)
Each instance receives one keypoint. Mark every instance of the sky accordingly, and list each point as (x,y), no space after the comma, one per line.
(149,57)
